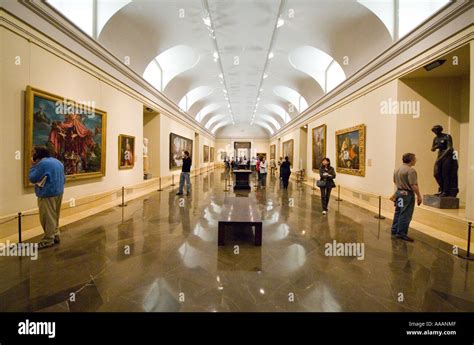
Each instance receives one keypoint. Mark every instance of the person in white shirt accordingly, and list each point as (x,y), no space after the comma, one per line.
(263,172)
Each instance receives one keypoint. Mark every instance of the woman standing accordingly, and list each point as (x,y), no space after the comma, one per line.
(285,172)
(263,172)
(326,182)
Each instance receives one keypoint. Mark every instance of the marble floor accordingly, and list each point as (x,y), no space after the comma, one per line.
(160,253)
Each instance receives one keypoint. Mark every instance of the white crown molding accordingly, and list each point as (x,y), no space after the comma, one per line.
(397,60)
(45,20)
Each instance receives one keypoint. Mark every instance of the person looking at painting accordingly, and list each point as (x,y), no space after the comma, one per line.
(285,172)
(48,176)
(185,175)
(326,183)
(406,180)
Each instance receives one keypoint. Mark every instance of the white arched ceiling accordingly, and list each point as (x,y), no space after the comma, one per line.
(315,63)
(213,120)
(265,125)
(207,110)
(175,61)
(193,96)
(271,120)
(169,43)
(276,109)
(291,96)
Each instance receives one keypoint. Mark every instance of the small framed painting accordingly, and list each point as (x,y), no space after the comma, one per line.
(126,151)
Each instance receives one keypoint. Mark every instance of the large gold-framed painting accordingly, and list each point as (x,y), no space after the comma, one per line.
(74,132)
(126,149)
(211,153)
(319,146)
(205,155)
(178,145)
(272,151)
(350,150)
(287,149)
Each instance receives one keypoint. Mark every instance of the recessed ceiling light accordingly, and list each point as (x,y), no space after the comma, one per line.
(207,20)
(221,76)
(280,22)
(225,91)
(271,55)
(265,76)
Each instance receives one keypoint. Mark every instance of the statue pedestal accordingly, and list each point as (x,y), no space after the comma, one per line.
(441,201)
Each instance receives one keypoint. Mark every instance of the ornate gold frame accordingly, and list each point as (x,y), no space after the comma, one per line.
(120,151)
(31,92)
(211,154)
(357,172)
(313,147)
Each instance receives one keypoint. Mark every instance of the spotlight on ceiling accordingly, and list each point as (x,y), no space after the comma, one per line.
(434,65)
(271,55)
(207,20)
(280,22)
(265,76)
(221,76)
(216,56)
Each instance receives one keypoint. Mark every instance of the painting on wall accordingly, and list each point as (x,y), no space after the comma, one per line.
(205,154)
(126,150)
(74,132)
(272,151)
(178,145)
(211,154)
(350,150)
(262,155)
(287,150)
(319,146)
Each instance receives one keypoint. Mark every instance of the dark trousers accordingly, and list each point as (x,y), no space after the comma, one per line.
(325,195)
(404,207)
(285,179)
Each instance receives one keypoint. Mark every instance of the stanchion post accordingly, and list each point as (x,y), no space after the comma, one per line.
(468,251)
(172,180)
(123,204)
(338,193)
(379,216)
(159,188)
(314,182)
(225,184)
(19,227)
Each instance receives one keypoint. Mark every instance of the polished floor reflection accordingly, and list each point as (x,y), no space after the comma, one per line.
(160,253)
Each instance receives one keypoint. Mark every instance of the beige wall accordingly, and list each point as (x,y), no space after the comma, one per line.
(380,140)
(151,131)
(443,101)
(43,70)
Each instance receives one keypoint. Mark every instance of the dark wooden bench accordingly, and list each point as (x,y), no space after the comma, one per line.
(239,212)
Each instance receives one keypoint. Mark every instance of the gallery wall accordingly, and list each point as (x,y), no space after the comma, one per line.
(25,63)
(227,146)
(380,140)
(443,101)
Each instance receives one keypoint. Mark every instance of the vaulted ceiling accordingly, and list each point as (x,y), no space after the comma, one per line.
(243,68)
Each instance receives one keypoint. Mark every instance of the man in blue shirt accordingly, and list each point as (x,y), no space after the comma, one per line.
(47,174)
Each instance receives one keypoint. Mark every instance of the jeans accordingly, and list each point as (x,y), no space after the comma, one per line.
(263,179)
(325,195)
(185,176)
(404,207)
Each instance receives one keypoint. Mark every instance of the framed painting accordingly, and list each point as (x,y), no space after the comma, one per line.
(319,146)
(287,150)
(272,151)
(205,154)
(126,150)
(262,155)
(178,145)
(74,132)
(211,154)
(350,150)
